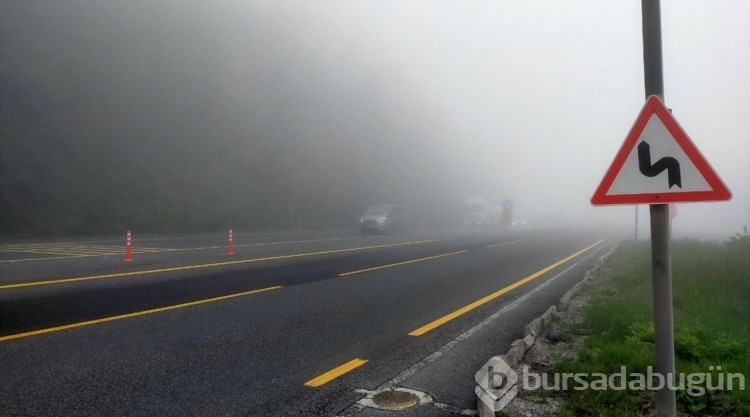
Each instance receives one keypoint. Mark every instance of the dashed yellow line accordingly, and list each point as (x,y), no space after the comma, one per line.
(130,315)
(203,266)
(335,373)
(463,310)
(361,271)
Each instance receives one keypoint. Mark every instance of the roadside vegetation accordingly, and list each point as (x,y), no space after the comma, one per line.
(711,298)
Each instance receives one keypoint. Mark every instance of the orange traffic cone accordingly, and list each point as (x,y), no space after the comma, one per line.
(230,247)
(128,249)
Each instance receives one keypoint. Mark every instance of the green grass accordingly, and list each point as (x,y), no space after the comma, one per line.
(711,293)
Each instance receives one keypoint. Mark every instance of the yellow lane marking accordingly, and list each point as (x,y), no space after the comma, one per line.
(335,373)
(283,242)
(136,314)
(201,266)
(463,310)
(45,259)
(115,250)
(503,243)
(346,274)
(48,252)
(105,247)
(296,241)
(65,247)
(73,251)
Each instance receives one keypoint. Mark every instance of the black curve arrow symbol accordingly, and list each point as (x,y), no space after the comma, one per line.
(670,164)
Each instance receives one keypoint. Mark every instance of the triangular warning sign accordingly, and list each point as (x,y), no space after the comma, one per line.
(658,164)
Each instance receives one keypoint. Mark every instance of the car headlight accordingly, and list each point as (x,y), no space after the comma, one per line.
(381,220)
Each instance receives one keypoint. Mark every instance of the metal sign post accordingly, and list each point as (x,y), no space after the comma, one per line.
(661,264)
(661,261)
(659,164)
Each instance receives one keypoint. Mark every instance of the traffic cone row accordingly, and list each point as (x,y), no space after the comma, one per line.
(129,246)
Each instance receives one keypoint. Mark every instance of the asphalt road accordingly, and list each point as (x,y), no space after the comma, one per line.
(291,324)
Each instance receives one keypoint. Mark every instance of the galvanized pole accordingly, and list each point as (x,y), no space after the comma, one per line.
(636,222)
(666,402)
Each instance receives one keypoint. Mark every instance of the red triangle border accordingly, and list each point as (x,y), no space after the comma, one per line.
(654,105)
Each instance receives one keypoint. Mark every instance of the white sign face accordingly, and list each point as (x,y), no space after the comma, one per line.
(660,145)
(658,164)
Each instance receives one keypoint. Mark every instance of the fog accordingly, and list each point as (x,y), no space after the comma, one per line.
(191,115)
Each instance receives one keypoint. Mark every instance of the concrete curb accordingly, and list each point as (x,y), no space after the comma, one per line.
(539,325)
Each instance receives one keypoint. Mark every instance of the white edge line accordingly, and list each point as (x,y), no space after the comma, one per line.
(465,335)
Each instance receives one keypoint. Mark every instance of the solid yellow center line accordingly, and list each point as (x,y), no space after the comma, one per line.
(504,243)
(461,311)
(135,314)
(201,266)
(335,373)
(346,274)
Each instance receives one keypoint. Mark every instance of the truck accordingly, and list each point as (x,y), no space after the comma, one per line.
(481,211)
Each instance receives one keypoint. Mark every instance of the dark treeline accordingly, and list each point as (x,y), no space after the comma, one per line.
(176,117)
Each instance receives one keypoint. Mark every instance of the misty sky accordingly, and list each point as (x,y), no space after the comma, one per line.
(536,97)
(524,100)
